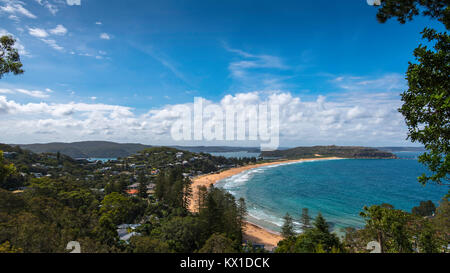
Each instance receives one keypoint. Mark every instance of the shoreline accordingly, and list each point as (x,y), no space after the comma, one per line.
(252,231)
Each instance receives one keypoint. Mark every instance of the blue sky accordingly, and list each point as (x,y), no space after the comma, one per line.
(142,56)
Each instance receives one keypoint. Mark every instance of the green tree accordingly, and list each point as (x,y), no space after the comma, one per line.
(287,230)
(6,247)
(305,219)
(426,208)
(426,105)
(428,241)
(405,10)
(142,186)
(218,243)
(389,227)
(5,169)
(141,244)
(441,220)
(9,57)
(317,239)
(116,207)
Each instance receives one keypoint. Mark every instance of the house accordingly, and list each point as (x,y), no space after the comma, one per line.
(9,154)
(134,186)
(37,175)
(132,192)
(126,231)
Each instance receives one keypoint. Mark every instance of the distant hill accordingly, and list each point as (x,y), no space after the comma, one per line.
(217,149)
(402,149)
(329,151)
(87,149)
(105,149)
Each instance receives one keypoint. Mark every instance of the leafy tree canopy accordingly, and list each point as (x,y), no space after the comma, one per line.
(9,57)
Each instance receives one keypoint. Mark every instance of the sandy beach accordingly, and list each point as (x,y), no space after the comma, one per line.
(252,232)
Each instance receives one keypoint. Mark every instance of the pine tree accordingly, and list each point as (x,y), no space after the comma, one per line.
(305,220)
(142,186)
(288,227)
(321,224)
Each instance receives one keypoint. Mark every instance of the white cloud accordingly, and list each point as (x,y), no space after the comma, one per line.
(51,7)
(388,82)
(367,119)
(105,36)
(98,23)
(59,30)
(32,93)
(256,71)
(74,2)
(52,43)
(35,93)
(16,8)
(38,32)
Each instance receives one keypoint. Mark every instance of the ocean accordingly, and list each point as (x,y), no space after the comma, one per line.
(339,189)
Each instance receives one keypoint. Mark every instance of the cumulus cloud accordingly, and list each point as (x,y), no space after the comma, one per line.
(368,119)
(105,36)
(38,32)
(59,30)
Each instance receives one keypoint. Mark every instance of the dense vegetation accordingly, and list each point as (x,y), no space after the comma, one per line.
(48,200)
(328,151)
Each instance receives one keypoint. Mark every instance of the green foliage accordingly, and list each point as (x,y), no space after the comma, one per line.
(317,239)
(389,227)
(6,247)
(328,151)
(5,169)
(287,230)
(305,219)
(425,209)
(173,189)
(182,234)
(9,57)
(405,10)
(426,105)
(119,208)
(222,214)
(141,244)
(441,221)
(428,241)
(218,243)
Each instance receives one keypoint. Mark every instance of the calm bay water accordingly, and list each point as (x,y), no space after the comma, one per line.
(338,189)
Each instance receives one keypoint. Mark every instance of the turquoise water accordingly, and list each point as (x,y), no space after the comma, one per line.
(338,189)
(101,159)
